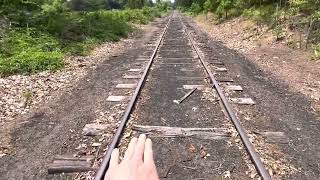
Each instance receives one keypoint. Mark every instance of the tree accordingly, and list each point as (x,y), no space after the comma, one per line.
(225,6)
(136,4)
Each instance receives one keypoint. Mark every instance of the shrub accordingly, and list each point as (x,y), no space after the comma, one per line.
(316,51)
(31,61)
(263,14)
(58,31)
(28,51)
(195,8)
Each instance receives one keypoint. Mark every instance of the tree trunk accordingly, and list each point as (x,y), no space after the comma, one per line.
(308,33)
(226,14)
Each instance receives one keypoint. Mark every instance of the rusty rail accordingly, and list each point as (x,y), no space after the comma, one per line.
(243,135)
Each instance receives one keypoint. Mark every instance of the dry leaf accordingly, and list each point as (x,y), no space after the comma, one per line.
(192,148)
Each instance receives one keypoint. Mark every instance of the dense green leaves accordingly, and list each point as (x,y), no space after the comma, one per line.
(279,15)
(43,31)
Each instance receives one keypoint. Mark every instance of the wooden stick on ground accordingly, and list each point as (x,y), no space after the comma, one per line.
(185,96)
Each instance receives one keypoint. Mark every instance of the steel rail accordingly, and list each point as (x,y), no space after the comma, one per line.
(105,163)
(243,135)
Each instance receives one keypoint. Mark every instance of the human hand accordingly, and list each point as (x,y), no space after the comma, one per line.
(137,164)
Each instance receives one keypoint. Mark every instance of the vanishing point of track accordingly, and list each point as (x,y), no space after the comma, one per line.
(215,87)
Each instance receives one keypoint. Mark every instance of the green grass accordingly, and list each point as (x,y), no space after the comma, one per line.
(25,51)
(31,50)
(264,14)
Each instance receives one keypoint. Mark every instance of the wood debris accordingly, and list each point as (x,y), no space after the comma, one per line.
(70,164)
(185,96)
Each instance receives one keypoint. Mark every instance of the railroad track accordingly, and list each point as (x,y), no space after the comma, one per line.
(178,75)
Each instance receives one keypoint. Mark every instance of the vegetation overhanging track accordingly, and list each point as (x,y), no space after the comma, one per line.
(105,163)
(243,135)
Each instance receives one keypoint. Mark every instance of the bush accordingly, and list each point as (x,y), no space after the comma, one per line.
(195,8)
(316,51)
(59,31)
(31,61)
(263,14)
(27,51)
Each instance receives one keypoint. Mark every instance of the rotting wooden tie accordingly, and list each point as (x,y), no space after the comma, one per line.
(274,137)
(135,70)
(234,88)
(173,132)
(70,164)
(118,98)
(244,101)
(126,86)
(132,76)
(191,86)
(222,79)
(222,69)
(186,78)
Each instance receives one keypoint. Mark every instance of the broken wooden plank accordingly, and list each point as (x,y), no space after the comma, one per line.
(94,129)
(274,137)
(135,70)
(185,96)
(118,98)
(142,59)
(223,79)
(72,158)
(177,58)
(186,78)
(186,70)
(126,86)
(234,88)
(222,69)
(244,101)
(171,132)
(175,63)
(191,86)
(132,76)
(216,63)
(69,166)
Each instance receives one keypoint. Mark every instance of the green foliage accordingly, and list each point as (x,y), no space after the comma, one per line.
(163,6)
(136,4)
(278,32)
(137,15)
(263,14)
(224,7)
(208,6)
(29,51)
(316,51)
(195,8)
(43,31)
(30,61)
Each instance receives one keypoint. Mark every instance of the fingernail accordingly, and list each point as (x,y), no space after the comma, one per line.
(142,136)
